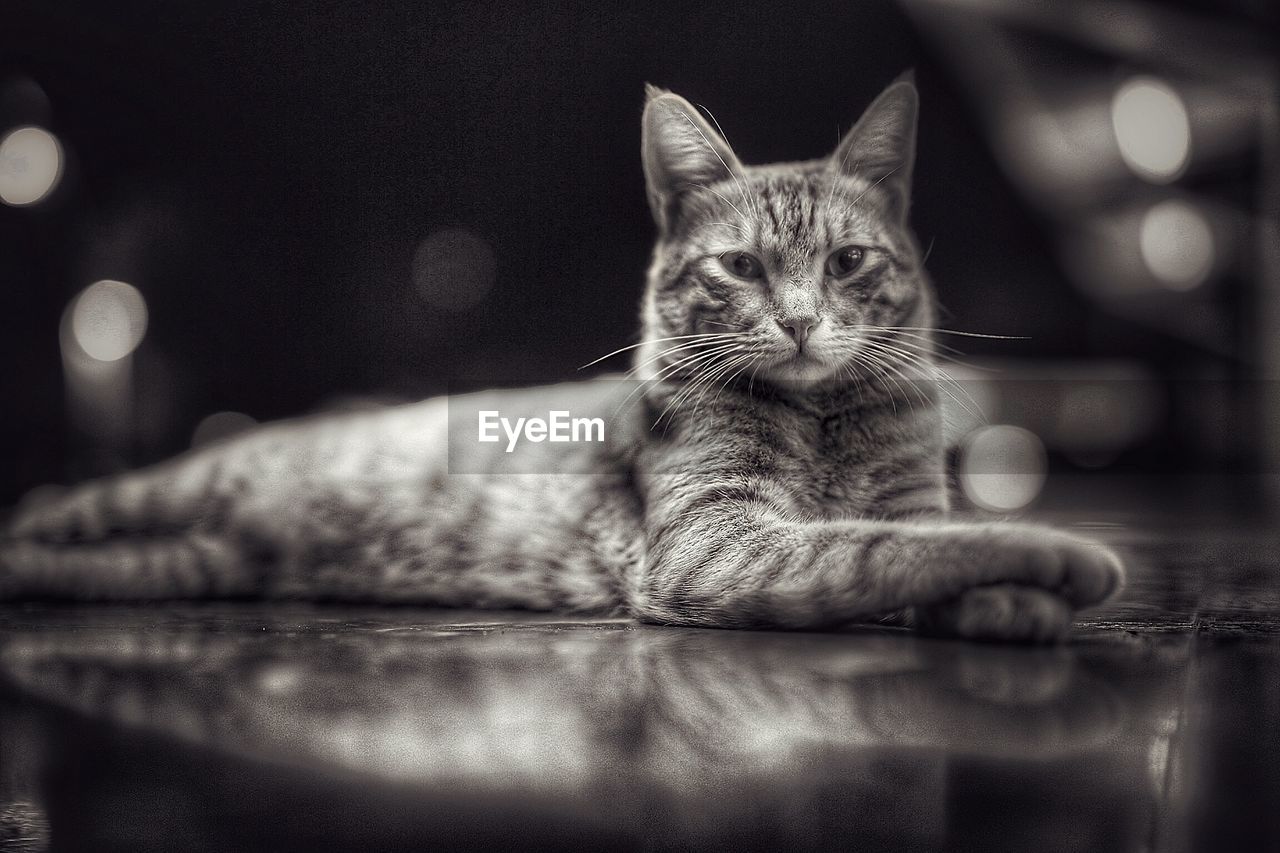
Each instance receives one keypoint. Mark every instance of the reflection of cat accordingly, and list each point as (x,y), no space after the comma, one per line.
(795,477)
(672,732)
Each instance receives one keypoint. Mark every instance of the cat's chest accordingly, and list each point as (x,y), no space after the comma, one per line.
(834,467)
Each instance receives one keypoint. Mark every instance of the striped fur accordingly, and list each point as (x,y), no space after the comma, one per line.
(783,467)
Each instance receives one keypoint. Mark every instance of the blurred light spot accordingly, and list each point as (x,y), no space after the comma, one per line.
(30,165)
(1151,128)
(279,678)
(220,425)
(454,269)
(1177,244)
(108,320)
(1002,467)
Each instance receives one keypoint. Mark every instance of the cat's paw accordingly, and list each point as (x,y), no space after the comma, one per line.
(1001,612)
(1082,571)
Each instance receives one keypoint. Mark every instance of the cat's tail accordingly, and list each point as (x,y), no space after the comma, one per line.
(152,534)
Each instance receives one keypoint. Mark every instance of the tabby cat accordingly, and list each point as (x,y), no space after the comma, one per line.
(780,464)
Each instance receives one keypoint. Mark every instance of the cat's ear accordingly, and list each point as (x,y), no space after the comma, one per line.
(681,152)
(881,147)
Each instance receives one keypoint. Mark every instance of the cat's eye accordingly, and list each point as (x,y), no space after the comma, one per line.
(742,264)
(843,262)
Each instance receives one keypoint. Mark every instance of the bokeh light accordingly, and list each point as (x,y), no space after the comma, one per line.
(30,165)
(220,425)
(1176,243)
(454,269)
(1002,467)
(1151,128)
(108,320)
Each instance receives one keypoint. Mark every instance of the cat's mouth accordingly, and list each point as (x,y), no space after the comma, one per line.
(803,364)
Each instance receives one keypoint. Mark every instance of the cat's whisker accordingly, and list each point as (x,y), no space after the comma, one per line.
(846,368)
(896,374)
(737,366)
(713,150)
(927,252)
(691,345)
(739,228)
(753,359)
(893,362)
(755,207)
(668,370)
(864,360)
(706,372)
(718,379)
(903,333)
(695,360)
(649,341)
(923,343)
(700,387)
(922,357)
(966,400)
(854,203)
(857,383)
(928,351)
(888,361)
(674,404)
(942,378)
(844,161)
(722,197)
(954,332)
(751,384)
(690,360)
(903,356)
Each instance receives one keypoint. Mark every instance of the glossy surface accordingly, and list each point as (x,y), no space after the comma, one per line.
(245,727)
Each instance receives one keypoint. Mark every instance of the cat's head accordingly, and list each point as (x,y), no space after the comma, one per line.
(792,262)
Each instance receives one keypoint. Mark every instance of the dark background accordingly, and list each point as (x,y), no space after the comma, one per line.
(264,173)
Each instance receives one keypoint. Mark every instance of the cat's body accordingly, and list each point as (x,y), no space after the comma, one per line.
(778,466)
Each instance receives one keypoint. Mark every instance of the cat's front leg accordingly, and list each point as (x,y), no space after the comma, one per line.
(733,563)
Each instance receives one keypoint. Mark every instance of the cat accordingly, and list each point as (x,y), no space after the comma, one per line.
(807,491)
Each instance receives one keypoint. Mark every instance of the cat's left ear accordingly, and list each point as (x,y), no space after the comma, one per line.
(881,147)
(681,153)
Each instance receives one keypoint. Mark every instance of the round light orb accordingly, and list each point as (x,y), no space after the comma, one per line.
(1152,129)
(280,678)
(220,425)
(454,269)
(1176,243)
(1002,467)
(30,165)
(109,319)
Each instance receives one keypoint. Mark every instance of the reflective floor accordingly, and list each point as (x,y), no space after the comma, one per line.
(267,728)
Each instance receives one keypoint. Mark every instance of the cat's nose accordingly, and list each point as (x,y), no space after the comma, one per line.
(798,328)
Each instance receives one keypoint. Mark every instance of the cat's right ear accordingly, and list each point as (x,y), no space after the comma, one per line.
(681,153)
